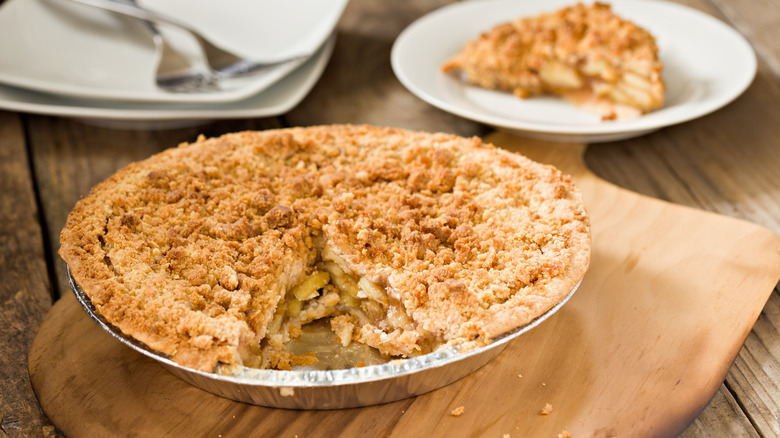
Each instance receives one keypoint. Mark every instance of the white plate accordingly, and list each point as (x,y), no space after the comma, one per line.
(61,47)
(707,65)
(275,100)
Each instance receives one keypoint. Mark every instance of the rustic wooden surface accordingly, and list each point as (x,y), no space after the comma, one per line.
(727,162)
(639,350)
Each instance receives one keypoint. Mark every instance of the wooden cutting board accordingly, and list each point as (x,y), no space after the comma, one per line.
(639,350)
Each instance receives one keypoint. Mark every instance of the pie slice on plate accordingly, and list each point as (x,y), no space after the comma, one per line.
(586,54)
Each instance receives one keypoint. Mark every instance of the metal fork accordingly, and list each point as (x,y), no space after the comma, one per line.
(174,72)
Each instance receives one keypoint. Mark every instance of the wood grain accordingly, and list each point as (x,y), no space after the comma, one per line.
(722,418)
(639,350)
(25,293)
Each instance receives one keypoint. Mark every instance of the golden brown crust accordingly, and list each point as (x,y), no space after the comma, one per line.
(191,250)
(584,53)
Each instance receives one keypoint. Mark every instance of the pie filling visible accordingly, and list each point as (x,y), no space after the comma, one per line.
(588,55)
(358,310)
(217,253)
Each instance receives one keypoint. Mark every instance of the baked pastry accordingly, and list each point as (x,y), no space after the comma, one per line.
(586,54)
(216,252)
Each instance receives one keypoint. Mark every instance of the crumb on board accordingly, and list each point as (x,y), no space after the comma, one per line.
(506,435)
(520,376)
(457,412)
(564,434)
(547,409)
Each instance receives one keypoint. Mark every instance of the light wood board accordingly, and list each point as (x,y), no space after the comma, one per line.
(639,350)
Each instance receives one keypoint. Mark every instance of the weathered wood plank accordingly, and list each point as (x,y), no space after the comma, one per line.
(755,375)
(723,417)
(25,292)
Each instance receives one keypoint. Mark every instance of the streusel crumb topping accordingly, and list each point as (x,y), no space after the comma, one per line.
(217,251)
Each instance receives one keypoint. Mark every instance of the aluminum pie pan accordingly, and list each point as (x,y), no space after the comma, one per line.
(330,389)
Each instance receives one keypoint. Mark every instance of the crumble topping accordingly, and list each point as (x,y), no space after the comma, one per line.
(217,252)
(587,54)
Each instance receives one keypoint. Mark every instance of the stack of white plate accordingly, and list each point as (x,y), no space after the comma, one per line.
(67,59)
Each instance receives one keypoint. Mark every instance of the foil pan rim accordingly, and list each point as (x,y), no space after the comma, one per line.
(316,378)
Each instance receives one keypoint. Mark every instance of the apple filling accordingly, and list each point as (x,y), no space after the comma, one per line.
(358,309)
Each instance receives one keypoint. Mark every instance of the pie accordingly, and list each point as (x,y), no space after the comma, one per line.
(216,252)
(586,54)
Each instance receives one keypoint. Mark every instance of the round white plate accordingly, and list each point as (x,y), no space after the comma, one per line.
(65,48)
(275,100)
(707,64)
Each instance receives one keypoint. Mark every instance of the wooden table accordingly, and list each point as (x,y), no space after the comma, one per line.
(727,162)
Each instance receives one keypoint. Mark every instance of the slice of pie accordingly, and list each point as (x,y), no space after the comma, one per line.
(215,253)
(586,54)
